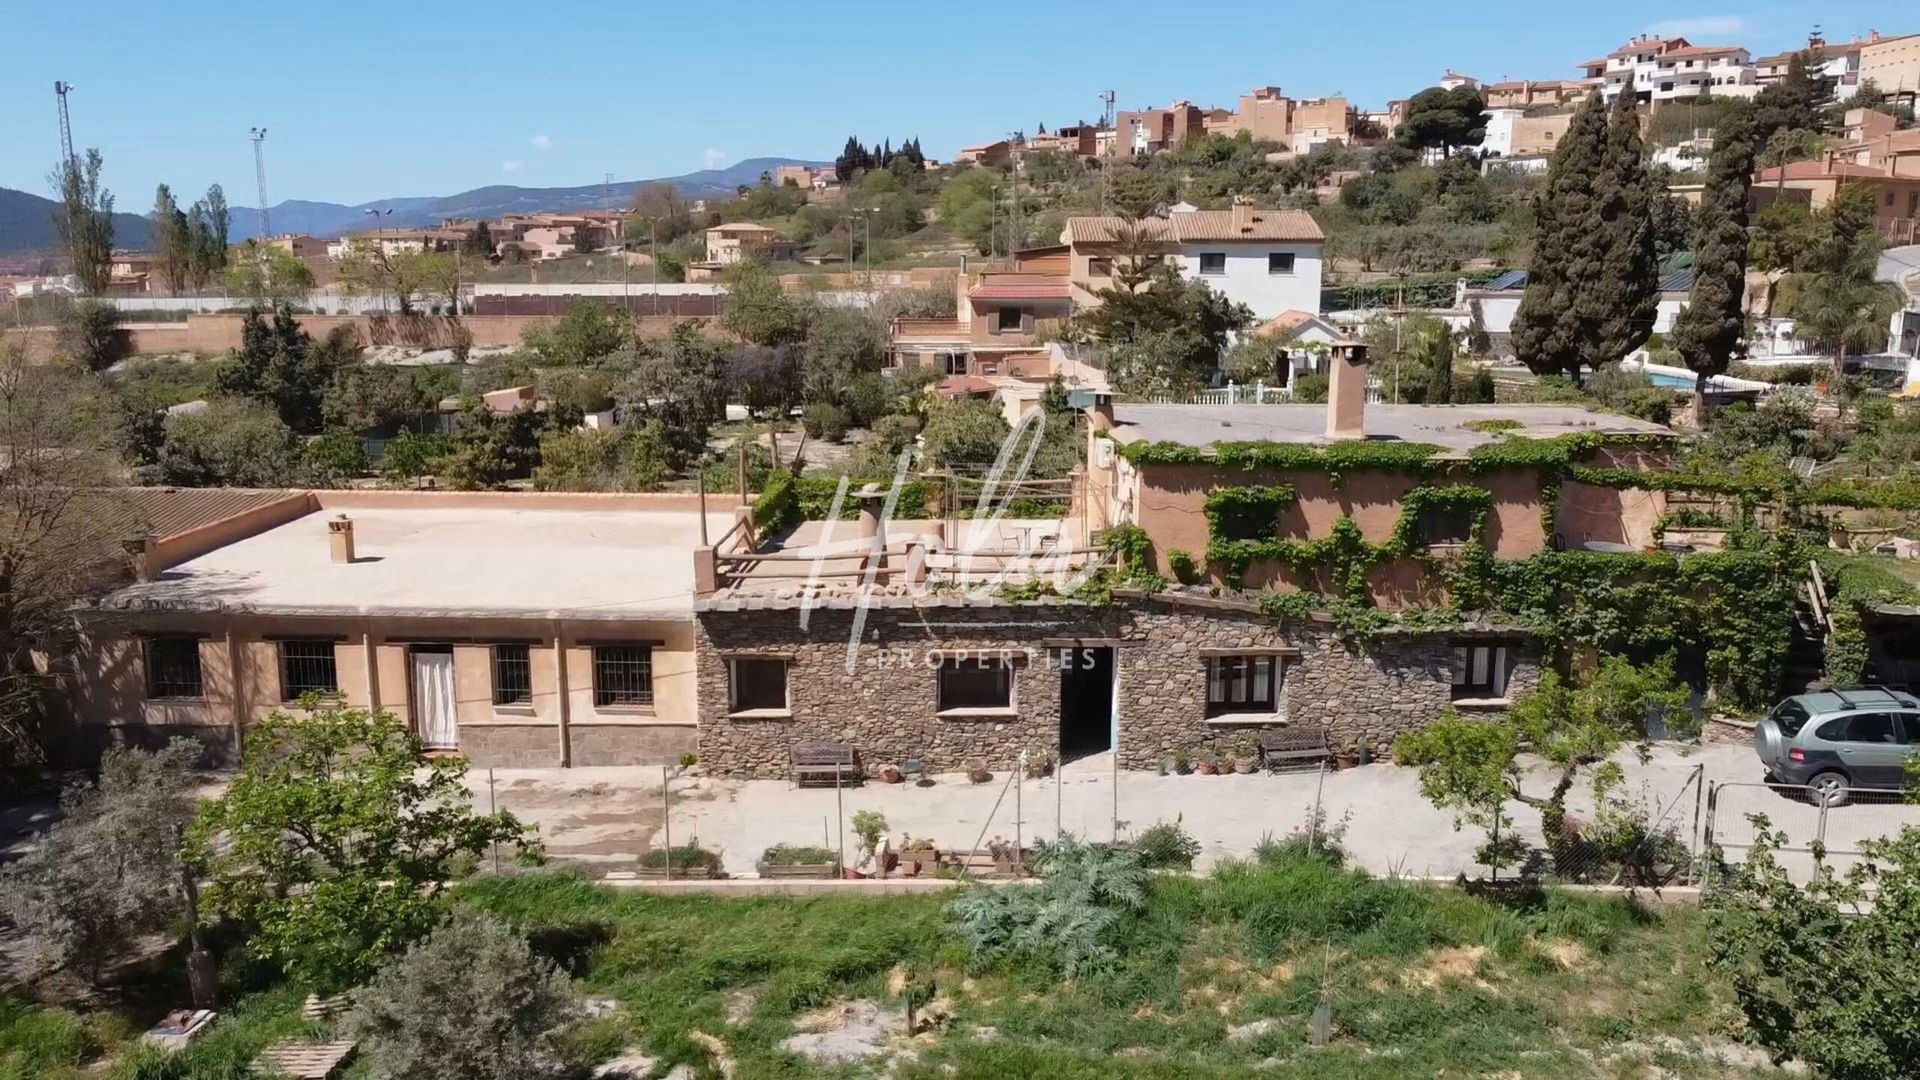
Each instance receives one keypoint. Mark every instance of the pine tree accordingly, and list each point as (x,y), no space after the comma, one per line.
(1545,334)
(1711,332)
(1618,308)
(848,162)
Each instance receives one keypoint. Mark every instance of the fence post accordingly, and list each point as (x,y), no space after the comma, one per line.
(1232,398)
(1820,830)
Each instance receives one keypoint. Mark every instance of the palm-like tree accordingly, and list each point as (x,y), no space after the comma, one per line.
(1838,302)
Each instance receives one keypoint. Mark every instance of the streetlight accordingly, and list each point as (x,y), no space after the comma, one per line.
(379,245)
(866,213)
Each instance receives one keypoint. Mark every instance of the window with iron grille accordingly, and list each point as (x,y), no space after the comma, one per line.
(622,675)
(173,667)
(1213,262)
(512,675)
(306,667)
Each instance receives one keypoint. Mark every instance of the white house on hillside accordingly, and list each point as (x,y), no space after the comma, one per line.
(1269,260)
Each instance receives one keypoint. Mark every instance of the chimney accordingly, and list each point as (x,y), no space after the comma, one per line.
(873,532)
(1243,214)
(1100,414)
(139,549)
(1347,391)
(340,539)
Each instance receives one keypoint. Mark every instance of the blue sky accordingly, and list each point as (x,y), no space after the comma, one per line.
(370,100)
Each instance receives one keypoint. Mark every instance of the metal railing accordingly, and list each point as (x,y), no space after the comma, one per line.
(1258,393)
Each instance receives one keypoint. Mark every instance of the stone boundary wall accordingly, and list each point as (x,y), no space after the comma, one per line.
(886,706)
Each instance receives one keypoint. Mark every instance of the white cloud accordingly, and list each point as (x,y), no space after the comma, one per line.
(1701,26)
(714,157)
(542,142)
(511,166)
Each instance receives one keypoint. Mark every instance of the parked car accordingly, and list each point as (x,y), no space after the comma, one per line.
(1836,741)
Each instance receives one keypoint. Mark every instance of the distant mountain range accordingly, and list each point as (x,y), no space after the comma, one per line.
(26,224)
(26,221)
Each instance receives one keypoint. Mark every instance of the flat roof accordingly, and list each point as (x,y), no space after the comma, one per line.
(1441,425)
(434,562)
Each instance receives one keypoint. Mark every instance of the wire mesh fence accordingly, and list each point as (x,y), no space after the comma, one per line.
(1740,815)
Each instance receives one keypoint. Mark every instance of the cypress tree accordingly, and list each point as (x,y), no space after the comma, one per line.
(1545,334)
(1622,298)
(1711,333)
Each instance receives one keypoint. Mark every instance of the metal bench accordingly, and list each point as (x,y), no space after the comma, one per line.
(834,763)
(1294,746)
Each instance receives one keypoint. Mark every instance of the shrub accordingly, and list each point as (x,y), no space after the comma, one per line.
(869,826)
(825,420)
(1166,845)
(1313,839)
(683,857)
(410,455)
(85,333)
(1185,569)
(471,1000)
(798,855)
(37,1042)
(1310,389)
(1068,922)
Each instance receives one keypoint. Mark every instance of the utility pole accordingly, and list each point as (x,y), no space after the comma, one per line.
(1013,220)
(260,179)
(60,91)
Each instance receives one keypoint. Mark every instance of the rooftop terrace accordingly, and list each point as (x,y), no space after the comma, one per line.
(1445,426)
(441,561)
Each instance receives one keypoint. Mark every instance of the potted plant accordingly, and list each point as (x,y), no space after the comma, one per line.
(1246,755)
(1007,860)
(1040,766)
(1206,763)
(978,774)
(798,860)
(1348,755)
(1182,762)
(891,774)
(686,861)
(917,857)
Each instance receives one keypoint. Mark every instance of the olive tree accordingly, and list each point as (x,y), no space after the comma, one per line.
(109,870)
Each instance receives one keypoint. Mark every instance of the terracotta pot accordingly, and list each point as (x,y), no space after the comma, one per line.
(1346,761)
(1243,766)
(1207,768)
(891,775)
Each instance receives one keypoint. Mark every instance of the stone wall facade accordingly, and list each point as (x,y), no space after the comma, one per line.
(886,705)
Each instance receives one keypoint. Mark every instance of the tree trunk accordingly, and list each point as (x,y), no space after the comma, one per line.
(1700,401)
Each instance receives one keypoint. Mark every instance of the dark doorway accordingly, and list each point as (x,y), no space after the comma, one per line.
(1086,702)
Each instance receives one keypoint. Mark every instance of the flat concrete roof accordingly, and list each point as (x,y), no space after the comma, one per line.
(1441,425)
(434,562)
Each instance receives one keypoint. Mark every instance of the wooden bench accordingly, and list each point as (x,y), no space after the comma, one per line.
(837,763)
(1294,746)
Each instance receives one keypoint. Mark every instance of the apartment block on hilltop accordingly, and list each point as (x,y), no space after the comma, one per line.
(1270,260)
(1893,63)
(1536,93)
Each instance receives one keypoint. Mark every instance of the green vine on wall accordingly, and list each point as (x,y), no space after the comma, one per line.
(1247,513)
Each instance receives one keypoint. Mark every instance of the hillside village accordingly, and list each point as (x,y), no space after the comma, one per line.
(1346,591)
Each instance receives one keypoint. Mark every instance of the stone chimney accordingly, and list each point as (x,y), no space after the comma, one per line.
(1100,413)
(340,539)
(1244,213)
(140,555)
(1347,391)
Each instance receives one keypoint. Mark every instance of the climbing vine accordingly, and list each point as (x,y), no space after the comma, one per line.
(1247,513)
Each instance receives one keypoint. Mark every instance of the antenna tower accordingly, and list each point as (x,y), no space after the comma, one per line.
(259,135)
(1106,108)
(61,90)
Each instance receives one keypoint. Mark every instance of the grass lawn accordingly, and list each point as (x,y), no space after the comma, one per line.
(1421,981)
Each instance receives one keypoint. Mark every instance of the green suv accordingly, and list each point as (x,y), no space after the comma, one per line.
(1834,741)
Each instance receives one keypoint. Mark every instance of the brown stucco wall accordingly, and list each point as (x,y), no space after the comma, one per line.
(885,706)
(106,684)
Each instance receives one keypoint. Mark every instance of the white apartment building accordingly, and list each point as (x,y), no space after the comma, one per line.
(1674,69)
